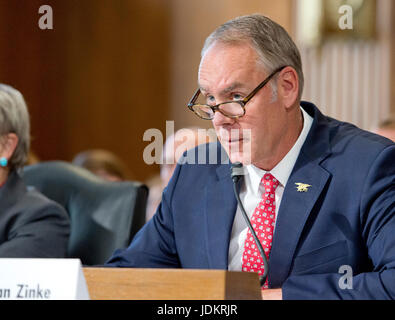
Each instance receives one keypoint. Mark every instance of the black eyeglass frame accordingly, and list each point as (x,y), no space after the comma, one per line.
(242,102)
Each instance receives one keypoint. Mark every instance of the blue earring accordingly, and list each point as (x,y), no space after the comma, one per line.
(3,162)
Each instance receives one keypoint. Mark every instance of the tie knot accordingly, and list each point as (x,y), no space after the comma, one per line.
(269,182)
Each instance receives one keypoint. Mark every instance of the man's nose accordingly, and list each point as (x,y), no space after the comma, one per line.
(220,120)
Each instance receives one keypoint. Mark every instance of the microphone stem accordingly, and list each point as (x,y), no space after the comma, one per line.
(262,278)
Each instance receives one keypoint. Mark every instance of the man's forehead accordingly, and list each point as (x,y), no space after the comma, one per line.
(230,80)
(229,67)
(235,56)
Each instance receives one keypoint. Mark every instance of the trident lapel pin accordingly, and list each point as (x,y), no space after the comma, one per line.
(302,187)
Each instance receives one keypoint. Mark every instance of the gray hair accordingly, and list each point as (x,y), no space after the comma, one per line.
(272,43)
(14,118)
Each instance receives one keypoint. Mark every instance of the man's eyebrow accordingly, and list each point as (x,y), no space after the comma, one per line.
(233,86)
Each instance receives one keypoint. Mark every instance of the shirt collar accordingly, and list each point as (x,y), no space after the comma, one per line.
(283,169)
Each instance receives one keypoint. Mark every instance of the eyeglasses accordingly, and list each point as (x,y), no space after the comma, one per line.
(232,109)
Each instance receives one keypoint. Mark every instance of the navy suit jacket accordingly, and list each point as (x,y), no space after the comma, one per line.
(347,217)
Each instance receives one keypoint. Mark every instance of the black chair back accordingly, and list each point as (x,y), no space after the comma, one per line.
(104,216)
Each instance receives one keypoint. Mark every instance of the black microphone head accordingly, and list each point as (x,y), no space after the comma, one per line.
(236,171)
(237,164)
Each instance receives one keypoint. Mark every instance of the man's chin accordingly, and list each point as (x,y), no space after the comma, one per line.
(236,153)
(239,157)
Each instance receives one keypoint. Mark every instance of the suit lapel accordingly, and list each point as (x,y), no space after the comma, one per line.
(220,211)
(294,210)
(297,206)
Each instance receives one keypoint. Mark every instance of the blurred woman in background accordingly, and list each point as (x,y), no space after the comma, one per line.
(103,163)
(31,225)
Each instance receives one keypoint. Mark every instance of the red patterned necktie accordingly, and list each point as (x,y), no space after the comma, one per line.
(262,221)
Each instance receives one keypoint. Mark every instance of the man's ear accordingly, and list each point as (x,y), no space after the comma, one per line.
(8,145)
(288,86)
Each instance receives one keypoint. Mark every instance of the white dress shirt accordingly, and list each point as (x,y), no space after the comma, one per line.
(251,194)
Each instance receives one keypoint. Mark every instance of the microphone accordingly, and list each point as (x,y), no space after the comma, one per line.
(237,172)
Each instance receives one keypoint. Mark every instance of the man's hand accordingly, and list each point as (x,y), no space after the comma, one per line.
(272,294)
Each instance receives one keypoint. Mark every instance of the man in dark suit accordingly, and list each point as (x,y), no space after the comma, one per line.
(320,193)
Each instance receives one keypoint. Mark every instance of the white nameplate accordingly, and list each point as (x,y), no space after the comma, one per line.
(42,279)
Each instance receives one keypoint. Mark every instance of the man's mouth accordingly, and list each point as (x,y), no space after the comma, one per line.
(235,140)
(229,140)
(233,136)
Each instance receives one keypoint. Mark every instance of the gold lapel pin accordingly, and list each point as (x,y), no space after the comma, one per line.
(302,187)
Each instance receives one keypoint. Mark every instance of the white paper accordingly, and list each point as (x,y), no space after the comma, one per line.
(42,279)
